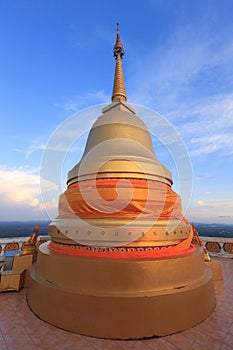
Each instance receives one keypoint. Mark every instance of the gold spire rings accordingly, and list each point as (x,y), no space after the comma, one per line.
(118,93)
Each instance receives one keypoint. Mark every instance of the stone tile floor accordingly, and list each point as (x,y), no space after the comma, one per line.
(21,329)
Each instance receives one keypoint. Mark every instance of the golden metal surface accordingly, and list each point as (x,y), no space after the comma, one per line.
(121,299)
(24,263)
(196,240)
(103,276)
(216,269)
(118,93)
(119,124)
(11,280)
(119,145)
(120,105)
(29,247)
(118,86)
(19,276)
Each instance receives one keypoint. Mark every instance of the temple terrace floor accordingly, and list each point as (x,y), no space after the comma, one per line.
(21,329)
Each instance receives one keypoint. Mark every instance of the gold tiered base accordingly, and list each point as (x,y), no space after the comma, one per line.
(121,298)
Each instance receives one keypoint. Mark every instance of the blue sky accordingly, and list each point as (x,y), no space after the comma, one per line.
(56,60)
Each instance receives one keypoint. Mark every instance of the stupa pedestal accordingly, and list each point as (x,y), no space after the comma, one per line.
(121,298)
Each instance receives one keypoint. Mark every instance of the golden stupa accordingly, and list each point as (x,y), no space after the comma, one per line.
(120,263)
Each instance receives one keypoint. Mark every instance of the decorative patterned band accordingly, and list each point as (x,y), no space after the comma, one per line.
(183,248)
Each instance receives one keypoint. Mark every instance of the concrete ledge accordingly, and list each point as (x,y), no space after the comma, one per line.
(11,280)
(23,262)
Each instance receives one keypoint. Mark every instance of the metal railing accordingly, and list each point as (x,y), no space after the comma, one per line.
(18,241)
(216,246)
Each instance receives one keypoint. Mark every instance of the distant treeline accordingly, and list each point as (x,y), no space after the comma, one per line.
(22,228)
(25,228)
(215,230)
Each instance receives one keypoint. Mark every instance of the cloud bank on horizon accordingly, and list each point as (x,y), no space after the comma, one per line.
(178,62)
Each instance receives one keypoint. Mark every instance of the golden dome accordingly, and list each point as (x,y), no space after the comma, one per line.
(119,145)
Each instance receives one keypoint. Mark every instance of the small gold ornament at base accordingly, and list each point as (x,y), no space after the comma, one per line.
(196,240)
(29,247)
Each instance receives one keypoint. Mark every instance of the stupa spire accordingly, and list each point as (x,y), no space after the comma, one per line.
(118,93)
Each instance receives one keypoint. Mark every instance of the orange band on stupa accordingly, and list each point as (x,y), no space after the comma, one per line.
(149,199)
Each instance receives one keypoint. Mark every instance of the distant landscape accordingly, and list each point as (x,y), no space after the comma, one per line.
(215,230)
(21,228)
(25,228)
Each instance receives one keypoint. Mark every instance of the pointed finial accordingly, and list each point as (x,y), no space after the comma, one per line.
(118,47)
(118,93)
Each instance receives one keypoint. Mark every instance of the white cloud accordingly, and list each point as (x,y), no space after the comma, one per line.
(200,203)
(81,101)
(216,204)
(190,82)
(53,204)
(21,187)
(215,211)
(209,144)
(35,147)
(172,67)
(209,126)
